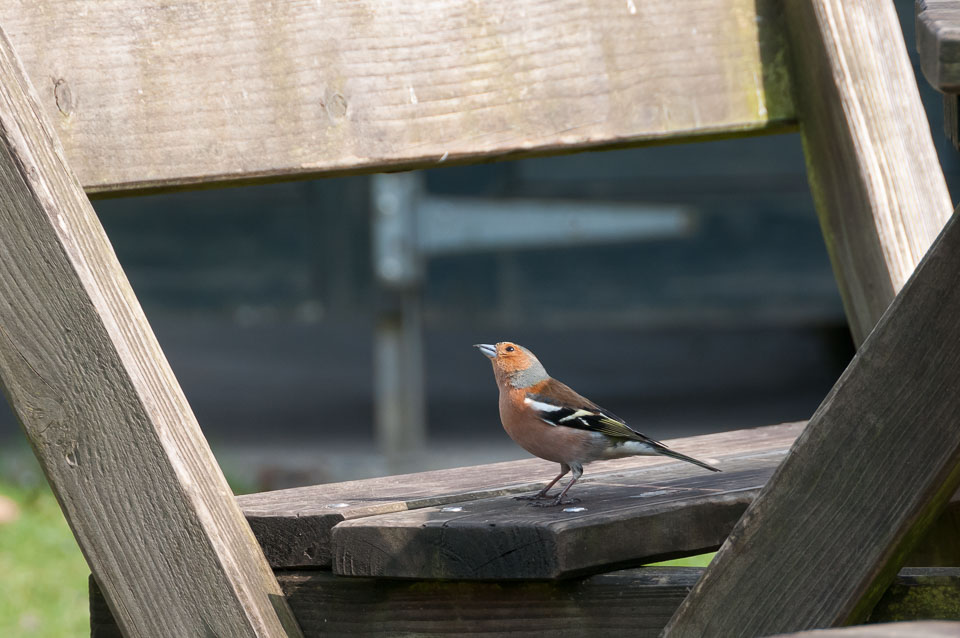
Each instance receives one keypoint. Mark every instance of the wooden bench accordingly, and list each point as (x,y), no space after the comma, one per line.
(462,557)
(132,97)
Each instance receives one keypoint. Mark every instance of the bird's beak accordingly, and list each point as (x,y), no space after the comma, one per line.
(487,349)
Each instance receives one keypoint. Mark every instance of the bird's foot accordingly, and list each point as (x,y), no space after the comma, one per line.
(531,497)
(555,502)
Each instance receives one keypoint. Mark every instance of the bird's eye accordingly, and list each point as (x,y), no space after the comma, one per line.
(510,348)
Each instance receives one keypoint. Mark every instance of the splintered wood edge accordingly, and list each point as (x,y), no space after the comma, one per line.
(160,94)
(293,525)
(637,602)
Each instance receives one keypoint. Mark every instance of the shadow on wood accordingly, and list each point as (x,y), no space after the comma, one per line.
(634,602)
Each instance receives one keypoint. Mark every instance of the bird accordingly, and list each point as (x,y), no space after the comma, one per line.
(550,420)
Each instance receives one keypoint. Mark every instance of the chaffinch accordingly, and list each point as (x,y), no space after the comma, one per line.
(550,420)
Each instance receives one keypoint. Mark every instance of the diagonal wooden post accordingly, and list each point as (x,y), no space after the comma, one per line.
(874,467)
(872,165)
(881,456)
(120,446)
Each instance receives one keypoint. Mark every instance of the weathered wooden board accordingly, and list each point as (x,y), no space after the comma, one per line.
(634,602)
(116,439)
(164,93)
(293,526)
(636,518)
(938,42)
(874,467)
(872,166)
(918,629)
(628,518)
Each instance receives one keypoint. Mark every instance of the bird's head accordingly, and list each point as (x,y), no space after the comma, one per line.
(513,364)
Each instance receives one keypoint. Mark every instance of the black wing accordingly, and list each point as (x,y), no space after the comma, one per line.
(590,417)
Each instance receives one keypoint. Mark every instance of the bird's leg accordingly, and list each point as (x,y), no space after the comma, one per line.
(577,473)
(543,493)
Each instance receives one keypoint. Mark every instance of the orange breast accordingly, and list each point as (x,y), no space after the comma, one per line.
(553,443)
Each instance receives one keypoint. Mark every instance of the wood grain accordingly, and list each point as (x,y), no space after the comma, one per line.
(164,93)
(293,526)
(632,519)
(938,43)
(871,163)
(633,602)
(86,378)
(875,466)
(919,629)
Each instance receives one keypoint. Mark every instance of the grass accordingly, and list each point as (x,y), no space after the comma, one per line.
(701,560)
(43,576)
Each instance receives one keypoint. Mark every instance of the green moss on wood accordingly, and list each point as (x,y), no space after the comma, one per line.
(902,602)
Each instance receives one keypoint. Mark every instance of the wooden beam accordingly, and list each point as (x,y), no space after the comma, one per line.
(629,519)
(872,166)
(917,629)
(169,93)
(294,525)
(86,378)
(874,467)
(938,43)
(632,602)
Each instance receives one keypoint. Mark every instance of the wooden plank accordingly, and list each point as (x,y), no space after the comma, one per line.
(938,43)
(294,526)
(86,378)
(633,602)
(874,467)
(166,93)
(631,519)
(920,629)
(871,163)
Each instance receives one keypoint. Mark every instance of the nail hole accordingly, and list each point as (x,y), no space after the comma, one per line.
(64,96)
(335,104)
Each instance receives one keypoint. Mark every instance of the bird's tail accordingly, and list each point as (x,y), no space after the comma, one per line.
(664,450)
